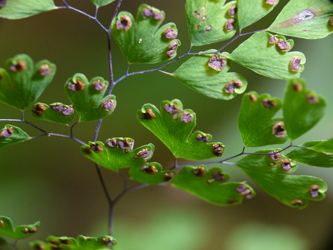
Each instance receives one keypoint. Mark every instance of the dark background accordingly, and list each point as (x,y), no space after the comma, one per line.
(48,180)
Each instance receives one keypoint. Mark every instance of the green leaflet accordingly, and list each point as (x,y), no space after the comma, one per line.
(252,11)
(321,146)
(269,55)
(174,127)
(55,112)
(88,97)
(17,9)
(150,173)
(100,3)
(79,243)
(117,153)
(208,75)
(309,19)
(302,108)
(142,39)
(256,122)
(10,135)
(211,185)
(314,153)
(22,82)
(7,229)
(271,171)
(210,21)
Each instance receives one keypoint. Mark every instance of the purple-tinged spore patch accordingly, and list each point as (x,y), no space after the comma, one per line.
(267,103)
(295,64)
(44,70)
(124,23)
(217,62)
(218,149)
(99,85)
(314,191)
(199,171)
(147,12)
(170,33)
(19,66)
(312,99)
(286,165)
(279,130)
(187,117)
(229,25)
(108,105)
(151,169)
(232,11)
(7,132)
(283,45)
(231,87)
(171,108)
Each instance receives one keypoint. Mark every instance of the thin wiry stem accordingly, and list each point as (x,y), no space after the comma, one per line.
(115,13)
(226,161)
(81,12)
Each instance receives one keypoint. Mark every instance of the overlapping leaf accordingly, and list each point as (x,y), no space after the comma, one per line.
(210,21)
(309,19)
(22,82)
(174,127)
(100,3)
(208,74)
(269,55)
(252,11)
(321,146)
(55,112)
(79,243)
(11,135)
(117,153)
(257,123)
(314,153)
(17,9)
(272,172)
(143,39)
(7,229)
(211,185)
(88,97)
(302,108)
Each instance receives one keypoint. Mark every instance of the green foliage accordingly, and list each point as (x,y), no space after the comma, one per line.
(22,82)
(55,112)
(79,243)
(174,126)
(210,21)
(100,3)
(256,122)
(269,55)
(321,146)
(11,135)
(17,9)
(252,11)
(208,74)
(20,232)
(88,97)
(302,108)
(308,19)
(211,185)
(117,153)
(314,153)
(143,39)
(272,172)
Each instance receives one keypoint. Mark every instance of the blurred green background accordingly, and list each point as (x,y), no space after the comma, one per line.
(48,180)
